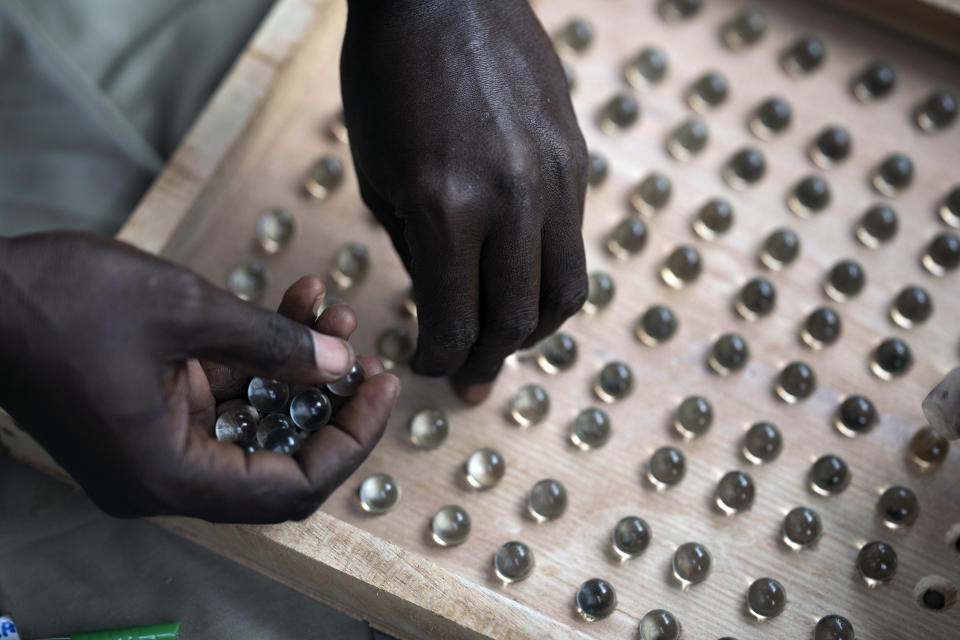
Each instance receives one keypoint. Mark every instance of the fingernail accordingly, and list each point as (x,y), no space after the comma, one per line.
(397,388)
(473,393)
(334,356)
(317,305)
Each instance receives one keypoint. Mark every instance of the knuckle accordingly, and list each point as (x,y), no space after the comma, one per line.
(571,300)
(456,338)
(513,329)
(282,340)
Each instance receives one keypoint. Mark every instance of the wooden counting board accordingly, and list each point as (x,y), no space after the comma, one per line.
(251,151)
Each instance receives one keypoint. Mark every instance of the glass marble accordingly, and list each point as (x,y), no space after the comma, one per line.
(682,267)
(873,82)
(325,177)
(770,118)
(688,139)
(591,428)
(802,528)
(569,74)
(691,563)
(620,112)
(821,328)
(276,229)
(628,238)
(248,281)
(557,353)
(729,354)
(529,405)
(735,492)
(350,264)
(779,249)
(271,423)
(891,358)
(237,424)
(396,346)
(631,537)
(485,468)
(597,169)
(856,416)
(766,598)
(666,467)
(762,443)
(877,226)
(845,280)
(942,254)
(267,395)
(248,447)
(337,127)
(744,168)
(950,208)
(898,507)
(810,196)
(829,475)
(893,174)
(833,627)
(513,561)
(831,146)
(937,111)
(693,417)
(877,562)
(285,441)
(311,409)
(614,382)
(804,56)
(429,428)
(928,449)
(348,384)
(547,500)
(709,91)
(647,68)
(659,624)
(379,493)
(651,194)
(596,599)
(575,37)
(713,219)
(657,324)
(912,306)
(756,299)
(677,10)
(600,291)
(450,526)
(744,29)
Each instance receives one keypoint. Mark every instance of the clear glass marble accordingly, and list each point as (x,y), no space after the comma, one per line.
(766,598)
(821,328)
(928,449)
(873,82)
(877,226)
(237,424)
(529,405)
(620,112)
(379,494)
(557,352)
(348,384)
(270,423)
(547,500)
(891,358)
(780,249)
(513,561)
(845,280)
(855,416)
(833,627)
(657,324)
(614,382)
(350,264)
(647,68)
(936,112)
(735,492)
(898,507)
(631,536)
(756,299)
(708,91)
(429,428)
(762,443)
(595,599)
(628,238)
(744,168)
(284,441)
(275,230)
(713,219)
(591,428)
(651,194)
(804,56)
(829,475)
(877,562)
(893,174)
(682,267)
(728,354)
(659,624)
(770,118)
(942,255)
(396,346)
(809,197)
(267,395)
(691,564)
(325,177)
(248,281)
(311,409)
(831,146)
(600,291)
(693,416)
(450,526)
(744,29)
(666,467)
(485,468)
(688,139)
(575,37)
(802,528)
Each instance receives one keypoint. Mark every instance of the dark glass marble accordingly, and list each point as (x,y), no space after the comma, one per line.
(756,299)
(821,328)
(657,324)
(780,249)
(766,598)
(873,82)
(728,354)
(631,537)
(745,167)
(856,415)
(878,225)
(762,443)
(845,280)
(708,91)
(802,528)
(829,475)
(804,56)
(831,146)
(770,117)
(942,254)
(693,417)
(893,174)
(744,29)
(735,492)
(666,467)
(796,381)
(898,507)
(911,307)
(937,111)
(628,238)
(620,112)
(596,169)
(713,219)
(596,599)
(682,267)
(891,358)
(877,562)
(691,563)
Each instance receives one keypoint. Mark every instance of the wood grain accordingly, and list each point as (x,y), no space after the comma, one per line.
(251,151)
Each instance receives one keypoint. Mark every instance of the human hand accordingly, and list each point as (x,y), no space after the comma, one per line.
(98,348)
(468,152)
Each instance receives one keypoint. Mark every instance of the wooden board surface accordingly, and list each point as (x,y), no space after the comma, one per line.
(386,569)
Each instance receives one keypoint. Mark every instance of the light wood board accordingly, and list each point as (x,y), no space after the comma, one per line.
(385,568)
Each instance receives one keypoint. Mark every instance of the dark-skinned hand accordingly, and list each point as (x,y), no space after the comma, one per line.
(99,348)
(468,152)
